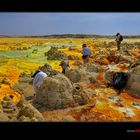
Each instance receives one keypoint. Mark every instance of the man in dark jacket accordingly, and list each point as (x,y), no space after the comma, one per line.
(64,64)
(118,40)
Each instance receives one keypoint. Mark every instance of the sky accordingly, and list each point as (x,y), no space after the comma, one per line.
(48,23)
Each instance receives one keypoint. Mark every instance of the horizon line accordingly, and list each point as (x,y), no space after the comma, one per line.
(72,34)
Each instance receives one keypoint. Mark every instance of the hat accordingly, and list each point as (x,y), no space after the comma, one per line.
(84,45)
(118,34)
(36,72)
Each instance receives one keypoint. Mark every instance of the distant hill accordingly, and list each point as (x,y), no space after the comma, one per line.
(74,36)
(63,36)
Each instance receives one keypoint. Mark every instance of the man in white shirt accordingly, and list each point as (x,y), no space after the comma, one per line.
(39,76)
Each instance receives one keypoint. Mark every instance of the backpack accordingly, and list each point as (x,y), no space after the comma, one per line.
(121,38)
(119,80)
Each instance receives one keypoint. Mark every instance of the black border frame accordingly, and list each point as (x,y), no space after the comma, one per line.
(64,130)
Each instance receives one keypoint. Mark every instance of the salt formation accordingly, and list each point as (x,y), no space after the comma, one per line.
(58,92)
(55,54)
(87,73)
(21,111)
(133,84)
(55,92)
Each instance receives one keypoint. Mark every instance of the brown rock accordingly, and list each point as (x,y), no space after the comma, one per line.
(55,92)
(24,119)
(92,79)
(82,96)
(133,85)
(108,75)
(3,117)
(74,75)
(92,67)
(6,81)
(80,75)
(73,57)
(29,111)
(136,70)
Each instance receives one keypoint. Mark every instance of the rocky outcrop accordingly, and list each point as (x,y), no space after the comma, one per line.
(80,75)
(136,70)
(58,93)
(6,81)
(108,75)
(91,67)
(55,54)
(10,108)
(21,111)
(3,117)
(55,93)
(45,68)
(73,74)
(28,112)
(48,70)
(73,57)
(117,58)
(135,64)
(133,84)
(81,95)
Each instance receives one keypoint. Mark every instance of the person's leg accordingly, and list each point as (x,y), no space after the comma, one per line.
(63,71)
(118,45)
(87,59)
(84,60)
